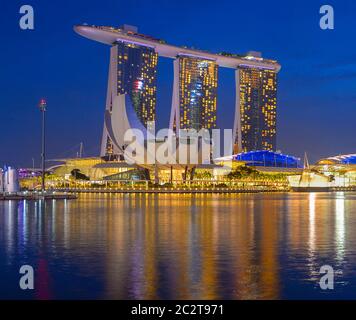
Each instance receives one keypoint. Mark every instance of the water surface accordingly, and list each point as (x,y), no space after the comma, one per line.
(247,246)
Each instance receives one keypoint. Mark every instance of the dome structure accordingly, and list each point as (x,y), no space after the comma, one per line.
(347,159)
(267,158)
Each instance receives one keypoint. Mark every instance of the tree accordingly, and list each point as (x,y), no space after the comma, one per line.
(78,175)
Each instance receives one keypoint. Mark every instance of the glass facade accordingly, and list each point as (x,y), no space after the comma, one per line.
(268,159)
(258,103)
(351,159)
(198,79)
(132,174)
(136,76)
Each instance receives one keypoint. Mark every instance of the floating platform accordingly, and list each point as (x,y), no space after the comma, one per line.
(38,196)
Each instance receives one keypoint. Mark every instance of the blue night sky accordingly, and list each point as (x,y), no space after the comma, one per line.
(316,90)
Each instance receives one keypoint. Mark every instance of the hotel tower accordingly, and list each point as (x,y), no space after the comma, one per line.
(256,106)
(132,71)
(194,94)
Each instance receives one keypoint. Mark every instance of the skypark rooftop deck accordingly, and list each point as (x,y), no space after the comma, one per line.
(110,35)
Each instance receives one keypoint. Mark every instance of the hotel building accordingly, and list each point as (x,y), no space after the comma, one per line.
(132,71)
(133,65)
(257,103)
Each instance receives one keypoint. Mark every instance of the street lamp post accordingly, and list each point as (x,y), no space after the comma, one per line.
(43,106)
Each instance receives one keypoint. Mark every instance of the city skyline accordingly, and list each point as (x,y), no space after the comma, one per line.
(76,98)
(177,156)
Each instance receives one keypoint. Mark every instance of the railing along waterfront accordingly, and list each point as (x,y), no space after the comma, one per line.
(175,186)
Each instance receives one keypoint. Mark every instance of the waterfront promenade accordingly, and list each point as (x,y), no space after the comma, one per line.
(167,190)
(37,196)
(188,187)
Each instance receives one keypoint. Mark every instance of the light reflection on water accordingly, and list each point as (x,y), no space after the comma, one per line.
(249,246)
